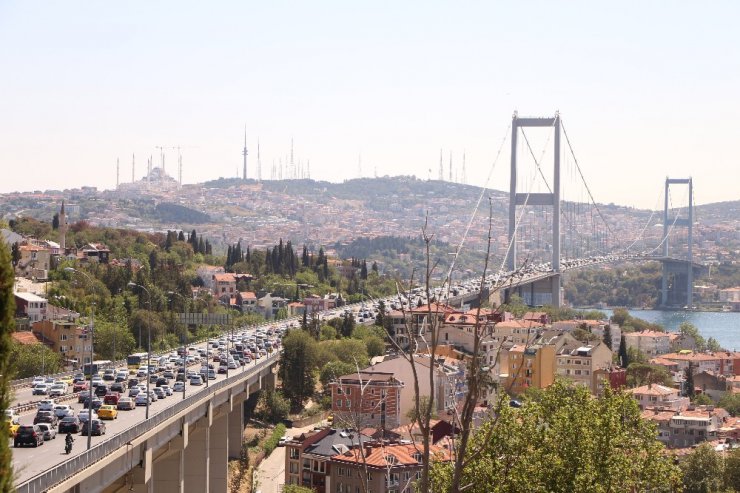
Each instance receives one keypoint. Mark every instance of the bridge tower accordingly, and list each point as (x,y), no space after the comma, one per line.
(679,270)
(543,199)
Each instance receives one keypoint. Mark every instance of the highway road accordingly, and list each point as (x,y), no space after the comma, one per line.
(29,461)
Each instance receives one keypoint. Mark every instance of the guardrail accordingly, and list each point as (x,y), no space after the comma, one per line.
(57,474)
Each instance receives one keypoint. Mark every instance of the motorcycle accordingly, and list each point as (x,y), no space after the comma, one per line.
(68,445)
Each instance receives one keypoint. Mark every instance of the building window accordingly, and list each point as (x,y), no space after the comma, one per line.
(294,454)
(339,402)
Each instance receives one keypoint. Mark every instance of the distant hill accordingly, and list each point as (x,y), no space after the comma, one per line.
(175,213)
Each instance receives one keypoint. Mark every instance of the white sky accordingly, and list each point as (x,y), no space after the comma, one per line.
(646,89)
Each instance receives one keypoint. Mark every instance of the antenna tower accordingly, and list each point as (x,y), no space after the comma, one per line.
(441,168)
(244,153)
(117,170)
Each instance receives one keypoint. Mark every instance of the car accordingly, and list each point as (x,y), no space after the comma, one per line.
(13,428)
(118,387)
(141,399)
(168,374)
(178,387)
(49,432)
(108,411)
(125,404)
(79,386)
(78,377)
(12,416)
(101,390)
(45,417)
(82,396)
(28,435)
(167,389)
(41,389)
(222,369)
(98,428)
(159,392)
(83,416)
(285,438)
(134,391)
(37,381)
(111,398)
(46,405)
(196,380)
(69,424)
(62,410)
(96,380)
(162,381)
(232,365)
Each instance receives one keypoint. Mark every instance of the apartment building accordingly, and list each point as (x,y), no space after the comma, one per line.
(30,306)
(650,342)
(578,362)
(722,362)
(530,366)
(391,468)
(659,397)
(308,456)
(65,337)
(689,428)
(367,399)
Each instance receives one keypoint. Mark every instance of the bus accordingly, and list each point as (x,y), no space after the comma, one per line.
(134,361)
(96,366)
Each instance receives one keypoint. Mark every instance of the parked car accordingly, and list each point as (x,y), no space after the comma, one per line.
(28,435)
(125,404)
(69,424)
(108,412)
(98,427)
(48,431)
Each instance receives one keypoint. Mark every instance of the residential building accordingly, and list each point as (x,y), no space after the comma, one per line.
(206,272)
(651,343)
(712,384)
(270,305)
(578,361)
(95,252)
(689,428)
(308,456)
(391,468)
(448,381)
(30,306)
(224,285)
(367,399)
(247,301)
(296,308)
(530,366)
(66,338)
(722,362)
(613,377)
(729,295)
(316,303)
(35,261)
(659,397)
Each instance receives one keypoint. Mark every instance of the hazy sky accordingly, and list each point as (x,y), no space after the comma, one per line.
(645,89)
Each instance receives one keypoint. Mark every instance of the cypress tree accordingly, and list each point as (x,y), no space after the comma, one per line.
(201,246)
(690,389)
(181,236)
(623,357)
(7,322)
(608,336)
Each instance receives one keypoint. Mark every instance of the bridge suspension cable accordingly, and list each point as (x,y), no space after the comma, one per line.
(644,228)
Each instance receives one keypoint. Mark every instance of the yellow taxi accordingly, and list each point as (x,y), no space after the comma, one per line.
(107,412)
(68,380)
(12,428)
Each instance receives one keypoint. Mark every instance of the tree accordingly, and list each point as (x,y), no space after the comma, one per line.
(297,365)
(534,446)
(713,345)
(335,369)
(15,254)
(294,488)
(328,333)
(690,330)
(608,336)
(702,400)
(624,360)
(35,359)
(702,470)
(352,351)
(732,470)
(55,221)
(730,403)
(273,406)
(689,376)
(110,336)
(7,325)
(639,374)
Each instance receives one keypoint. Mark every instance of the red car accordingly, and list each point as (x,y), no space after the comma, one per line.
(79,386)
(111,398)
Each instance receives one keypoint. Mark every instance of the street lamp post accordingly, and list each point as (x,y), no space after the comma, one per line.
(92,357)
(184,349)
(149,346)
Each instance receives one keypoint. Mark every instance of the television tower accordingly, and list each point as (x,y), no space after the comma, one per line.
(464,177)
(244,153)
(450,166)
(259,162)
(117,170)
(133,168)
(441,169)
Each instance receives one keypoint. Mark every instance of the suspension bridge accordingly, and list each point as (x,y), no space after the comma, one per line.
(556,225)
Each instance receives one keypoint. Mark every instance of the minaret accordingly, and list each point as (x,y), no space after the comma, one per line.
(244,153)
(118,168)
(62,231)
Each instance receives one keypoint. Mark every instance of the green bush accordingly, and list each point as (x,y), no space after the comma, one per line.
(275,437)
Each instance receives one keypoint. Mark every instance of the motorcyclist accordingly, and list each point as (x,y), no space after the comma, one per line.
(68,441)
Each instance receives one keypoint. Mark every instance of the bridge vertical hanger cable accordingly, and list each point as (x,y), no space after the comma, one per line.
(675,219)
(448,278)
(575,160)
(644,228)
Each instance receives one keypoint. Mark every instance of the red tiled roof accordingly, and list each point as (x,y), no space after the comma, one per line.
(378,456)
(25,337)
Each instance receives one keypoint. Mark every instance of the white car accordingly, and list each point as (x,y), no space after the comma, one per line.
(62,410)
(46,405)
(83,415)
(12,416)
(37,380)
